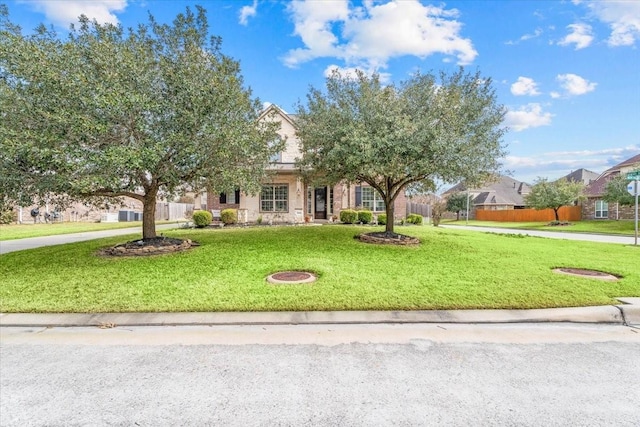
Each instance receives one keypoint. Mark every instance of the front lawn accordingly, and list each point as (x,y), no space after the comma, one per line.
(625,227)
(451,269)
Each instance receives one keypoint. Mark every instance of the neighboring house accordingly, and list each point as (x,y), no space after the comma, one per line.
(286,198)
(596,208)
(581,175)
(504,193)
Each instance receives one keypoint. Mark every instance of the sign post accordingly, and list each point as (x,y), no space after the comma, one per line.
(633,188)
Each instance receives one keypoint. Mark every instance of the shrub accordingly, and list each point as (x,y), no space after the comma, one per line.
(229,216)
(414,219)
(202,218)
(382,219)
(7,217)
(365,217)
(348,216)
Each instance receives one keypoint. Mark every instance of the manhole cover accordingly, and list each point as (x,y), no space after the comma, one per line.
(291,277)
(580,272)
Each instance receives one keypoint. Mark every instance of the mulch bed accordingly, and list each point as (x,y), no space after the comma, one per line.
(384,238)
(147,247)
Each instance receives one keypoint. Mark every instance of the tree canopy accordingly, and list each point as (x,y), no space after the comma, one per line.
(554,195)
(426,129)
(616,191)
(109,112)
(457,202)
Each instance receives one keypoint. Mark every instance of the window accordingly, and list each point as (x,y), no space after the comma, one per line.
(371,200)
(602,209)
(310,200)
(230,198)
(274,198)
(330,207)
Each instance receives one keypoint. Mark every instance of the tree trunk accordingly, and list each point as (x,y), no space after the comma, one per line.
(555,211)
(457,215)
(149,215)
(390,220)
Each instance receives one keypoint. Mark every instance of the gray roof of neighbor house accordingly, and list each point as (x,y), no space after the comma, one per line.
(582,175)
(502,191)
(596,188)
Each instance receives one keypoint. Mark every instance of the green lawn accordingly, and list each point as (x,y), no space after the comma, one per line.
(22,231)
(626,227)
(451,269)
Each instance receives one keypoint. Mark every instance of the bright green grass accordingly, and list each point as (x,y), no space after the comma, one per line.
(625,227)
(451,269)
(22,231)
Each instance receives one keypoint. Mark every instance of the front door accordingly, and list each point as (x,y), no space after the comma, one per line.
(321,203)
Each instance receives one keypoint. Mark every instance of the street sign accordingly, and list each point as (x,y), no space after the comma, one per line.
(633,187)
(633,175)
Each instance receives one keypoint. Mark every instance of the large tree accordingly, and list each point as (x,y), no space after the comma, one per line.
(424,130)
(108,112)
(554,195)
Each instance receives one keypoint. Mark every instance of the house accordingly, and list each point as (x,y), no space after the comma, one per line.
(581,175)
(286,198)
(503,193)
(596,208)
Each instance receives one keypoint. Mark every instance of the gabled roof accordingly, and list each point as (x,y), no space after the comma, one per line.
(503,191)
(597,187)
(582,175)
(279,111)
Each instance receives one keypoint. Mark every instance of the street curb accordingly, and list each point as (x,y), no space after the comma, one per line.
(599,314)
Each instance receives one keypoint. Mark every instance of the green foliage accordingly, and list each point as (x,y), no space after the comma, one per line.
(554,195)
(616,192)
(259,219)
(382,219)
(348,216)
(414,219)
(229,216)
(202,219)
(457,202)
(7,216)
(109,112)
(426,129)
(365,217)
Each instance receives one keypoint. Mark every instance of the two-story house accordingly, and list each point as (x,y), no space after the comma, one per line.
(286,198)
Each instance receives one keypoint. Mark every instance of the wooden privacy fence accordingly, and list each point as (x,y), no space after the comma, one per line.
(419,208)
(566,213)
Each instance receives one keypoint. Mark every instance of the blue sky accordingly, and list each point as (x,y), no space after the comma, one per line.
(567,71)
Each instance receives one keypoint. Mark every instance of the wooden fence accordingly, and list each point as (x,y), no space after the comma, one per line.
(566,213)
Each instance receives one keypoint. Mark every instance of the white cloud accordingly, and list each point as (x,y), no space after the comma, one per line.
(352,72)
(247,12)
(66,12)
(370,35)
(574,85)
(528,116)
(581,36)
(557,164)
(525,86)
(537,33)
(623,17)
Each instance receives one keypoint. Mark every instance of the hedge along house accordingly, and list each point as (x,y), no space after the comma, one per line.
(595,207)
(285,196)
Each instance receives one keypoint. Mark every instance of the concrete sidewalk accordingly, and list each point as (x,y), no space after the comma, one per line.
(7,246)
(626,313)
(585,237)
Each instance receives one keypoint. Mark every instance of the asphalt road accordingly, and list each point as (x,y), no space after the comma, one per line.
(321,375)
